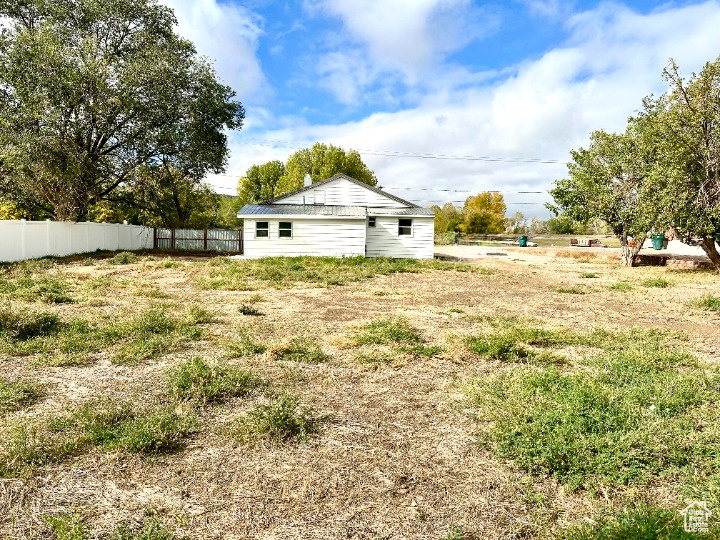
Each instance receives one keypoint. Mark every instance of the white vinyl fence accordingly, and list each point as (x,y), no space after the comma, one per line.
(22,239)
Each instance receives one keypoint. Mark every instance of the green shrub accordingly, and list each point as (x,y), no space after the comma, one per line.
(282,420)
(15,395)
(124,257)
(198,381)
(301,350)
(387,332)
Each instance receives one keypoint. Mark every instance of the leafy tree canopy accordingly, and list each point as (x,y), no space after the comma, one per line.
(260,182)
(91,92)
(485,213)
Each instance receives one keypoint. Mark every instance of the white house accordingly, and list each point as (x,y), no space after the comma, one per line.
(339,216)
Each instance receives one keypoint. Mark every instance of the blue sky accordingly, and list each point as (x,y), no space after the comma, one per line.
(516,80)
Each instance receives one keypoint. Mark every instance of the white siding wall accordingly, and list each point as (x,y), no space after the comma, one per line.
(383,239)
(341,192)
(319,237)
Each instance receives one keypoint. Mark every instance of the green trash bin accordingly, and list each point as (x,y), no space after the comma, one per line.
(522,241)
(658,241)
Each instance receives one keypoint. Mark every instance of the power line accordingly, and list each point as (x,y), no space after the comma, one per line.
(419,155)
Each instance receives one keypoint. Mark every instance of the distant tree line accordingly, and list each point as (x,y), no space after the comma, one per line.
(662,172)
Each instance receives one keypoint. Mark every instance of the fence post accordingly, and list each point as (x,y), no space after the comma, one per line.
(172,238)
(205,239)
(155,241)
(240,241)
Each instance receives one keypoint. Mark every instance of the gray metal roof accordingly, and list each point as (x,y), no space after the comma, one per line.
(301,209)
(328,210)
(416,211)
(351,179)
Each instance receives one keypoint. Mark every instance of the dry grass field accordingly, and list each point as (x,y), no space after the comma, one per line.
(527,396)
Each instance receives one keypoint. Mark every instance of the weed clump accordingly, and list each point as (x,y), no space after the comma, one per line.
(27,325)
(196,380)
(124,257)
(280,421)
(659,283)
(710,303)
(301,350)
(387,332)
(15,395)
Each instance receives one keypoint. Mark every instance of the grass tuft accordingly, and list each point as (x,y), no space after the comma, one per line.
(22,326)
(301,350)
(638,523)
(148,530)
(573,290)
(199,381)
(280,421)
(250,310)
(621,286)
(67,526)
(124,257)
(709,303)
(589,275)
(387,332)
(15,395)
(243,346)
(659,283)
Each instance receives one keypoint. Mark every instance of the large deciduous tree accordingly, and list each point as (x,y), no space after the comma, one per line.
(320,162)
(260,182)
(684,124)
(609,180)
(91,91)
(485,213)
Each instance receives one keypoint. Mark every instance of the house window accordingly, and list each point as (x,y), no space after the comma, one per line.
(371,221)
(285,229)
(405,227)
(262,229)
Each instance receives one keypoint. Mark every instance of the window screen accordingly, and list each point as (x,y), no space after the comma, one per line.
(371,221)
(285,229)
(261,229)
(405,227)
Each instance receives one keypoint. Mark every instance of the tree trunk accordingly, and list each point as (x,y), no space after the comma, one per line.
(629,253)
(708,245)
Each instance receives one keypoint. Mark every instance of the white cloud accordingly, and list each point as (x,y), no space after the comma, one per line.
(228,35)
(541,109)
(391,39)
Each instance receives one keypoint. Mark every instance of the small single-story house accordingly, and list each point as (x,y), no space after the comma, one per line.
(337,217)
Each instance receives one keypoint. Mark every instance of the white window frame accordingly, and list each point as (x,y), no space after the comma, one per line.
(280,229)
(401,227)
(257,229)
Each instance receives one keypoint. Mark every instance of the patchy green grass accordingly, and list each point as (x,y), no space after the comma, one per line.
(15,395)
(636,523)
(124,257)
(659,283)
(455,533)
(387,332)
(573,290)
(320,271)
(67,526)
(151,529)
(589,275)
(420,349)
(33,281)
(243,345)
(709,303)
(23,325)
(155,332)
(198,381)
(520,342)
(639,409)
(621,286)
(300,349)
(103,424)
(280,421)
